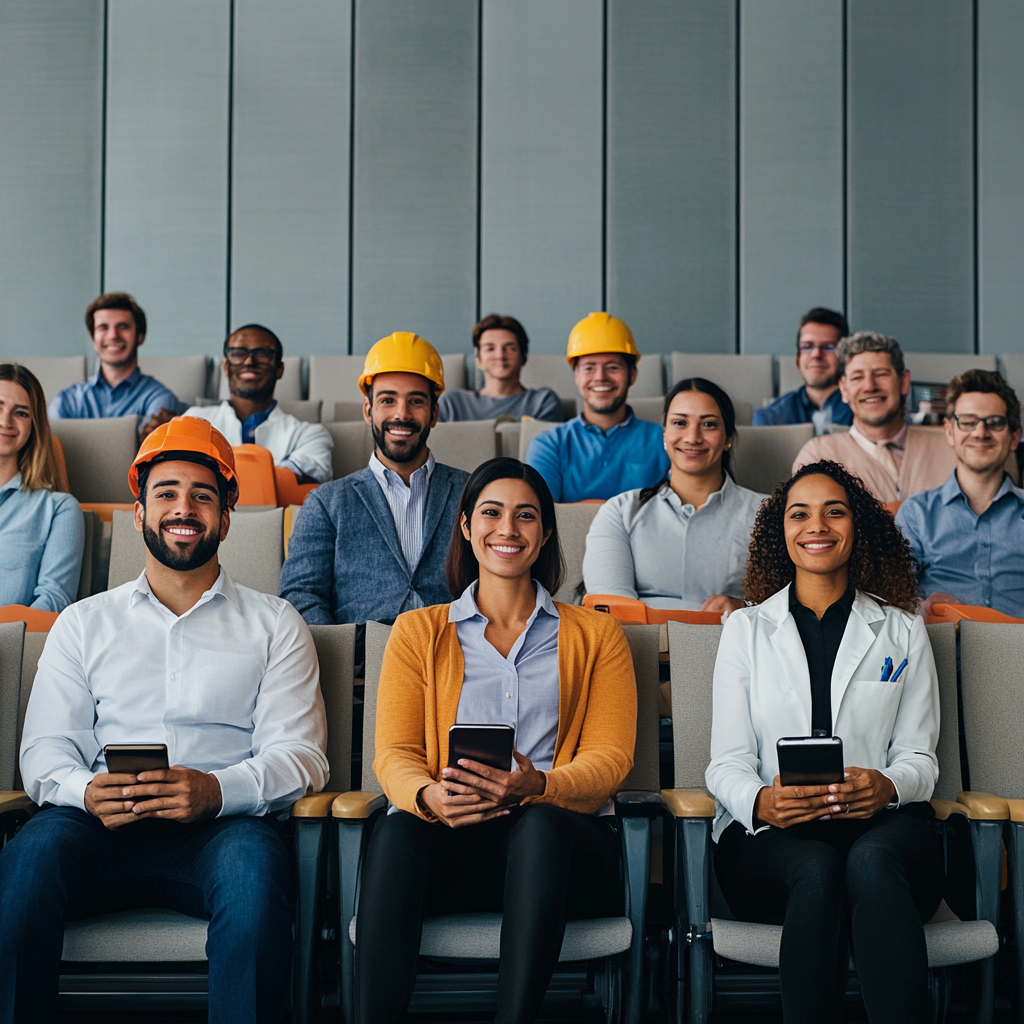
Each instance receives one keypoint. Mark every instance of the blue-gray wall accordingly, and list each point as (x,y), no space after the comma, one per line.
(339,169)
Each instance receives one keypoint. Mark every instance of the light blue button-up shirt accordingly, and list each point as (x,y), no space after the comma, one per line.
(977,559)
(42,535)
(520,690)
(137,395)
(579,461)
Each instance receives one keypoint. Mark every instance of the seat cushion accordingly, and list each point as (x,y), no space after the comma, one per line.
(478,937)
(949,942)
(148,935)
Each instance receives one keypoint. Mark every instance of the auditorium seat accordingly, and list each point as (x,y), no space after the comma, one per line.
(353,446)
(336,378)
(942,367)
(348,412)
(464,445)
(528,430)
(287,389)
(54,373)
(573,521)
(308,412)
(186,376)
(649,409)
(631,611)
(763,456)
(98,454)
(748,378)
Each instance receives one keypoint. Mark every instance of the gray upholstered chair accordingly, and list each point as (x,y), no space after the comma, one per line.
(528,430)
(353,446)
(90,553)
(252,554)
(763,456)
(941,367)
(98,454)
(55,373)
(573,525)
(705,927)
(186,376)
(616,942)
(464,445)
(747,378)
(308,412)
(336,378)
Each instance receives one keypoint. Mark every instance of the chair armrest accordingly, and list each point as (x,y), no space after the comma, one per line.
(637,803)
(1016,808)
(984,806)
(357,805)
(944,808)
(688,803)
(316,805)
(15,800)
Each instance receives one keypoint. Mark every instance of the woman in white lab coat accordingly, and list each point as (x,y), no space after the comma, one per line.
(830,646)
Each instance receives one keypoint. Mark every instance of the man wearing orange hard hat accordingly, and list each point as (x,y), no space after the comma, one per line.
(214,688)
(605,450)
(373,544)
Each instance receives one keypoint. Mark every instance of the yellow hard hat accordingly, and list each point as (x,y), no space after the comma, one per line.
(403,352)
(600,332)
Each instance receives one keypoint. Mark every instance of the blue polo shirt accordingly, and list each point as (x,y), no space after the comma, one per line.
(796,407)
(977,559)
(579,461)
(137,395)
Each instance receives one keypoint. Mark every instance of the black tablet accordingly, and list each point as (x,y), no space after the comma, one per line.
(810,760)
(135,758)
(489,744)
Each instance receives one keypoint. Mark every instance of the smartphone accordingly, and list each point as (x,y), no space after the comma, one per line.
(133,758)
(810,760)
(489,744)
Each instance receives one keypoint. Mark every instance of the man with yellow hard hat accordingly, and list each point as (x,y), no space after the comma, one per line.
(225,679)
(373,544)
(605,450)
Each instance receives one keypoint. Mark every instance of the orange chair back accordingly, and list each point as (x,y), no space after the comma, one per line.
(62,466)
(892,506)
(633,612)
(971,612)
(289,490)
(254,467)
(36,620)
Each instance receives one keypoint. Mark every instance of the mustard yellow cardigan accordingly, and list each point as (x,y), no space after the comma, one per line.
(418,699)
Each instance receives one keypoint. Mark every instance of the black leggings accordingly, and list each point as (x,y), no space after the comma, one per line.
(540,866)
(827,882)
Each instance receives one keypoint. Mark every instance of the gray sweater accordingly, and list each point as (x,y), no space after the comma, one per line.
(666,553)
(540,403)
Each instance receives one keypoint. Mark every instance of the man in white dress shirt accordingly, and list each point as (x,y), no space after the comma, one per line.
(228,679)
(253,364)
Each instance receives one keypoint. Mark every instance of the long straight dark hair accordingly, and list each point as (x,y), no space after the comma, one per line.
(461,567)
(724,403)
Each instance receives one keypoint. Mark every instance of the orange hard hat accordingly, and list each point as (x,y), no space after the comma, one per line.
(188,437)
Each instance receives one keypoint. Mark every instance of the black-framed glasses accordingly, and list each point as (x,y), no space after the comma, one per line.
(810,346)
(997,424)
(260,356)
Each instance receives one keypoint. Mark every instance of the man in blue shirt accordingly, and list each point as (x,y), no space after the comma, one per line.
(967,536)
(605,450)
(818,401)
(117,326)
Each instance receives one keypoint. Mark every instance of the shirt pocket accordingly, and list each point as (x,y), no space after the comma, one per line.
(870,708)
(226,683)
(21,549)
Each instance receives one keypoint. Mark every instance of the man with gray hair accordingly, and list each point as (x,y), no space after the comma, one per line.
(894,459)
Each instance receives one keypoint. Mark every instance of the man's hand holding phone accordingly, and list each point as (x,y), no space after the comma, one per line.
(177,794)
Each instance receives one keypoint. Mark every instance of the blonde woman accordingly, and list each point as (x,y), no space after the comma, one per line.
(42,532)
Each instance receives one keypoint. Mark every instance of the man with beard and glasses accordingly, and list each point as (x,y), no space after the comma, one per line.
(818,400)
(605,450)
(253,364)
(117,326)
(227,678)
(374,544)
(892,458)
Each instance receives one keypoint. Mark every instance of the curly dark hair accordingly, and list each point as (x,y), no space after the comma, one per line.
(880,563)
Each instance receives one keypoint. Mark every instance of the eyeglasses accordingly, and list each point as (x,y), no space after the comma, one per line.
(809,346)
(260,356)
(997,424)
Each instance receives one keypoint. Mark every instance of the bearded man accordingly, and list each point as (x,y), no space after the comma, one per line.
(227,679)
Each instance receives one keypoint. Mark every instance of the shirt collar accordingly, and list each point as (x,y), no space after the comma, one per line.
(594,428)
(98,379)
(719,496)
(845,602)
(223,586)
(951,490)
(259,417)
(386,477)
(465,606)
(898,441)
(13,484)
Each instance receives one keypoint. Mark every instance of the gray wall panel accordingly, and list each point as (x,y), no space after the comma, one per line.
(167,173)
(415,169)
(1000,175)
(51,135)
(671,260)
(910,151)
(541,164)
(290,171)
(791,167)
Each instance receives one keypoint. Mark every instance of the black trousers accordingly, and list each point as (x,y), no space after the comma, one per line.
(874,881)
(540,866)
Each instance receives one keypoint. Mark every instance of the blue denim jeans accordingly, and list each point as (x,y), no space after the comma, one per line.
(234,872)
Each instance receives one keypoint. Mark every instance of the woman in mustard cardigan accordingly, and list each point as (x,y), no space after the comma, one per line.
(537,843)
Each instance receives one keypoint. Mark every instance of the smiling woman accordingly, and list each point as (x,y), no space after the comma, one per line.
(534,841)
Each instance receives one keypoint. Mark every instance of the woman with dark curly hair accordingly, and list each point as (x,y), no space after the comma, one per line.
(831,646)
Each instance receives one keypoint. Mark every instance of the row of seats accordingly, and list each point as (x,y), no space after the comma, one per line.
(714,941)
(332,381)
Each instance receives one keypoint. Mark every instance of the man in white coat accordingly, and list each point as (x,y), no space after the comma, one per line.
(253,364)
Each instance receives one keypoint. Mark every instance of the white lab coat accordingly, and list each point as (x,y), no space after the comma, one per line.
(302,447)
(762,692)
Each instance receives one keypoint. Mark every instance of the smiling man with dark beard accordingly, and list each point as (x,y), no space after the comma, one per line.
(374,544)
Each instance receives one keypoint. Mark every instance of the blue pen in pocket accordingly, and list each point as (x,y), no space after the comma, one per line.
(896,674)
(886,670)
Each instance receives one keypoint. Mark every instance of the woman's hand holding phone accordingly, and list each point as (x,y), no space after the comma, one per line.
(864,793)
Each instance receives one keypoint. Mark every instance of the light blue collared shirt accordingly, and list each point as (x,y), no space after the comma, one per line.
(520,690)
(42,535)
(137,395)
(977,559)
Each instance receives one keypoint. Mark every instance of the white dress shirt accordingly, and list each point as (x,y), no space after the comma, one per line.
(231,686)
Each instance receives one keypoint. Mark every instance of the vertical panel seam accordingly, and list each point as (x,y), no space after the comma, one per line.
(845,168)
(479,156)
(738,312)
(230,167)
(976,180)
(604,156)
(103,150)
(350,346)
